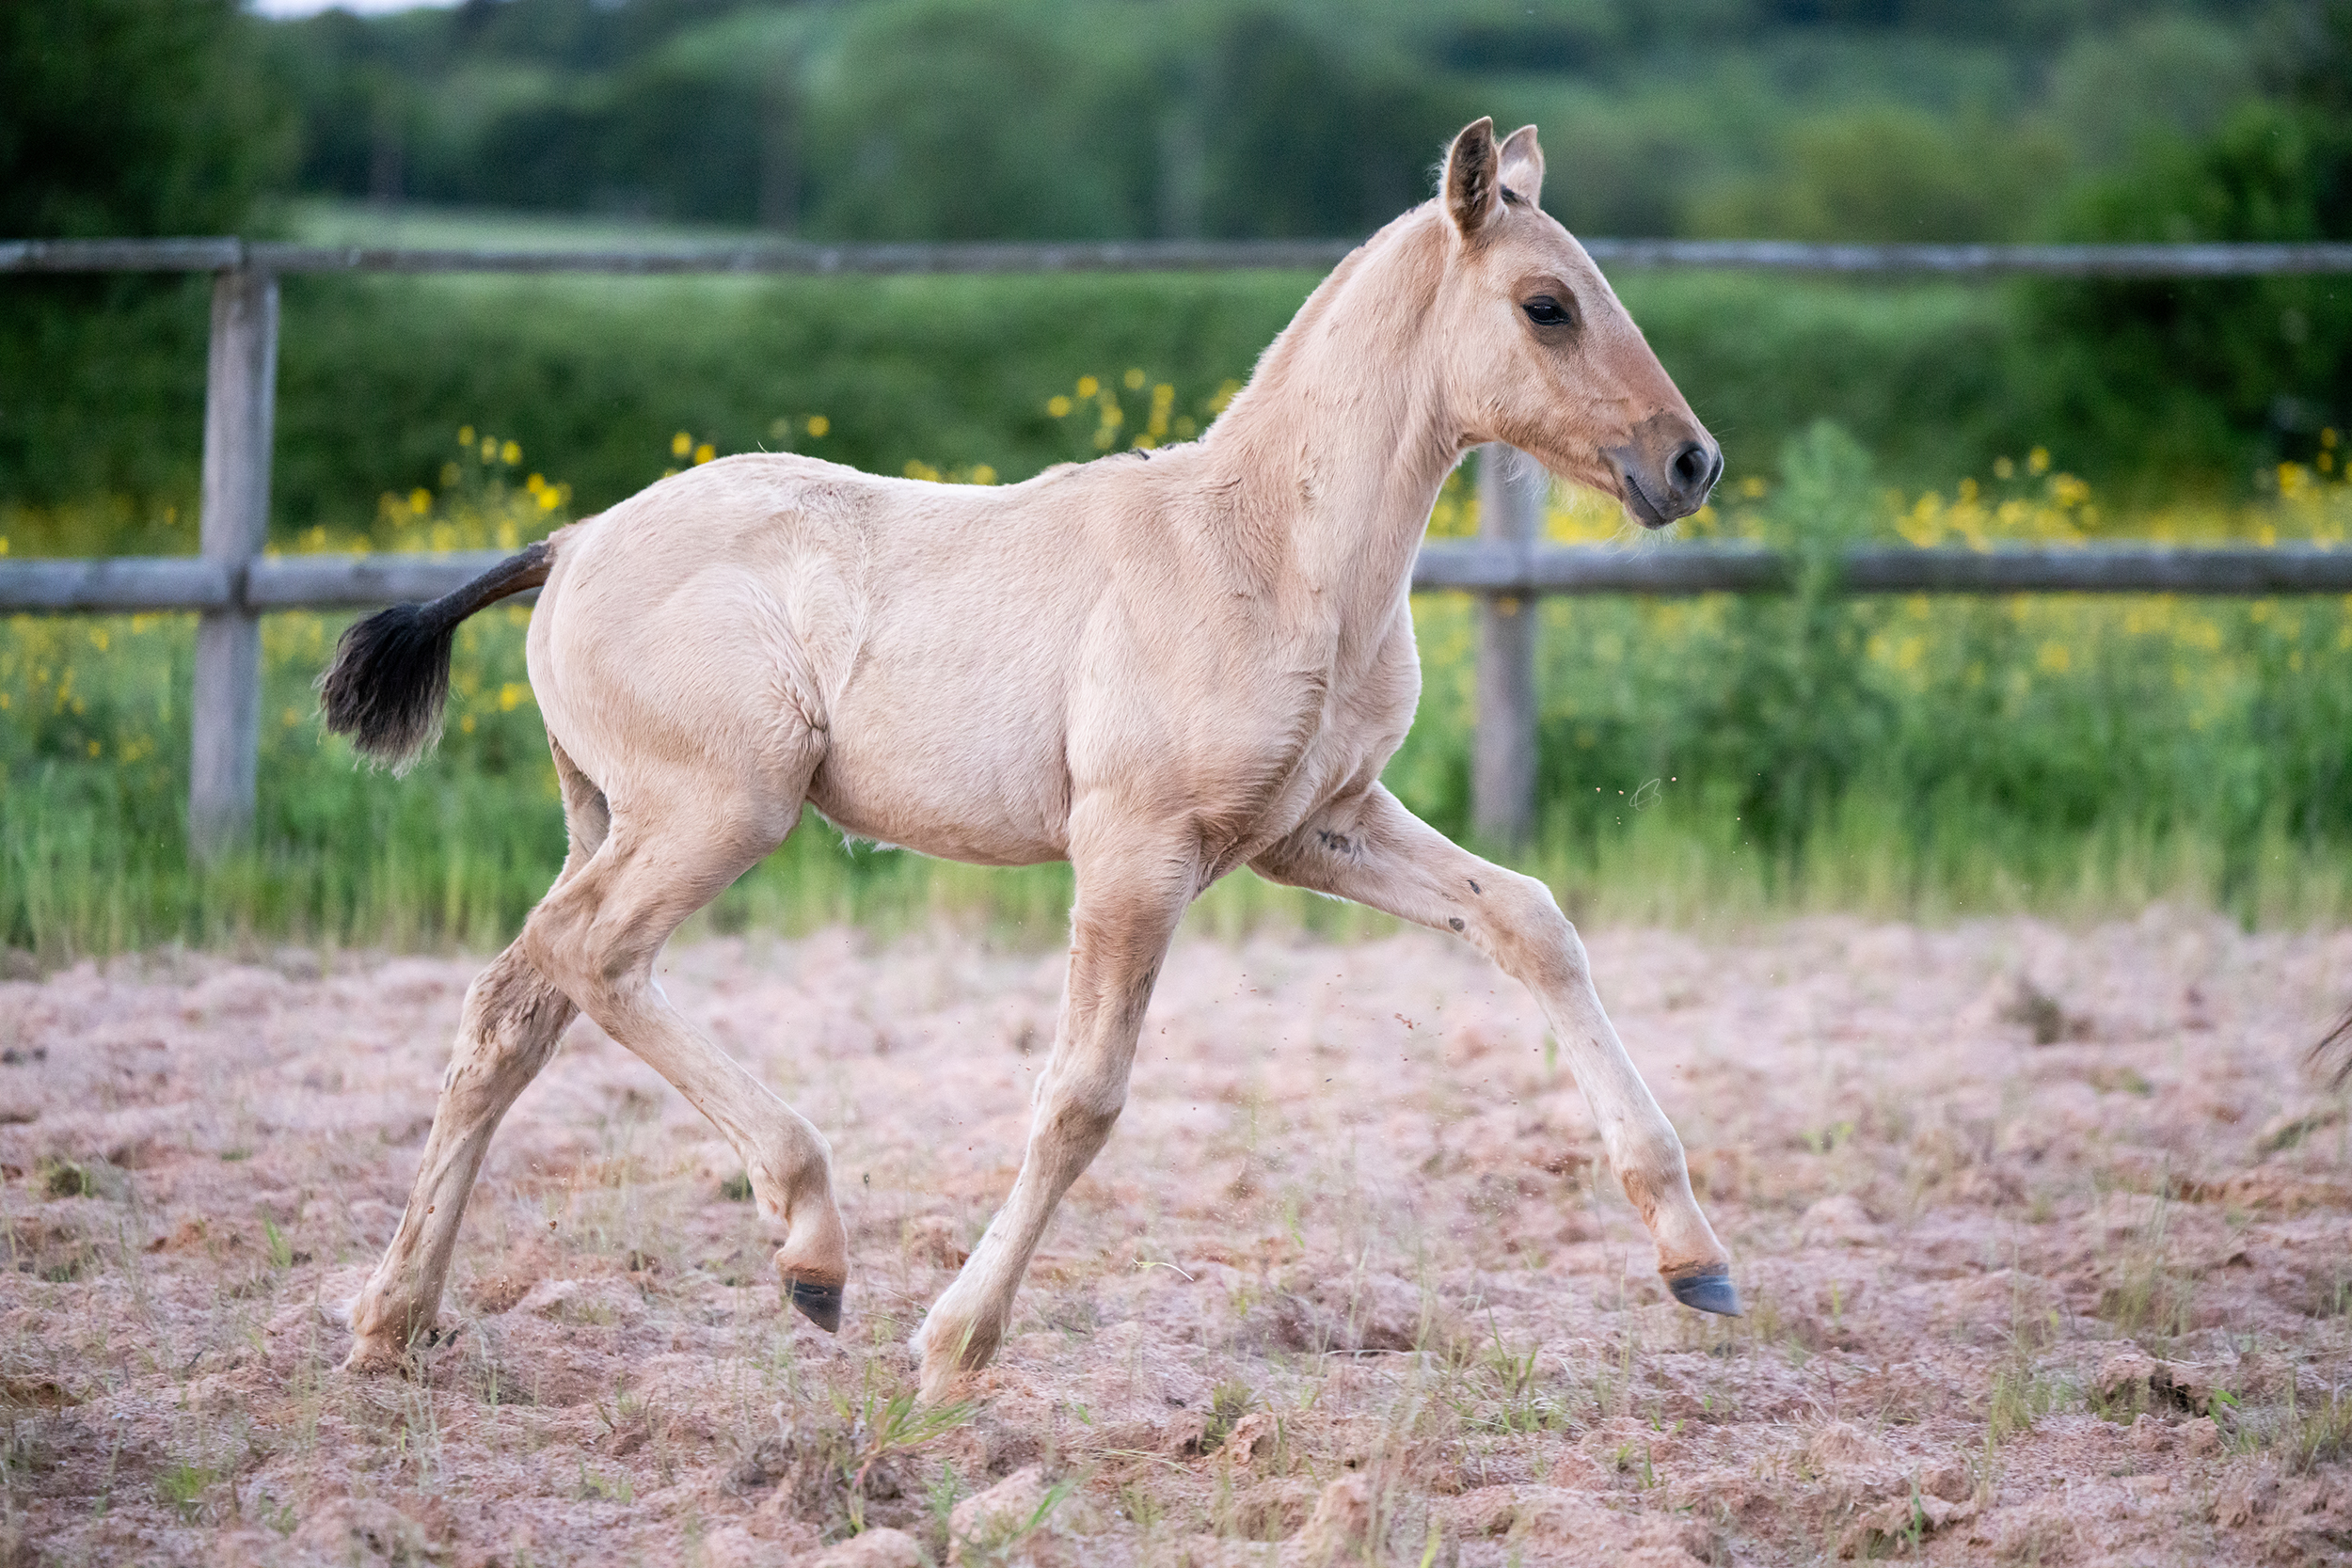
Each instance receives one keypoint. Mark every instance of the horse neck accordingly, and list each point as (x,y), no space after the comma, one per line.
(1334,452)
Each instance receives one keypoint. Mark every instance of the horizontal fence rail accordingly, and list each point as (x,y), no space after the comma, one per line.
(1687,569)
(787,257)
(233,582)
(132,585)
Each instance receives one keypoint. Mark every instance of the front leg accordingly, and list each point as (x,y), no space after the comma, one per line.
(1133,887)
(1371,849)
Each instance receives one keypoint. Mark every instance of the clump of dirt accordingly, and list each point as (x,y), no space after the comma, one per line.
(2056,1284)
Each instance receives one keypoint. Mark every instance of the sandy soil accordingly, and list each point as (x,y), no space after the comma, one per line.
(1346,1285)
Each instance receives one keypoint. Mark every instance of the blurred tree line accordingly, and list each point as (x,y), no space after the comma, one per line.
(945,119)
(1893,119)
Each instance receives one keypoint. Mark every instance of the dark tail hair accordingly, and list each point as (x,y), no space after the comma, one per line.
(2336,1043)
(390,679)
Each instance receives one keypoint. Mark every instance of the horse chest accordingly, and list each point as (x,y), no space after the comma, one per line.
(1295,740)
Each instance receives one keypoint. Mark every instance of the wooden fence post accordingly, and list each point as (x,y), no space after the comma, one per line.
(1512,488)
(240,403)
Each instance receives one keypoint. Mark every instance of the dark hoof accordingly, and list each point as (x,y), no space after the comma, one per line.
(1707,1291)
(820,1304)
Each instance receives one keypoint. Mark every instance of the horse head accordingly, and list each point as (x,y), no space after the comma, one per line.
(1541,354)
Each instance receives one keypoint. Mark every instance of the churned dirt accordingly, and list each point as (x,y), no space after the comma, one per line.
(2047,1238)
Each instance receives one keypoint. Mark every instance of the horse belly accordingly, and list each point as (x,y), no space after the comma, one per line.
(962,774)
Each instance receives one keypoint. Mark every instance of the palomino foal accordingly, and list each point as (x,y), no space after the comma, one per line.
(1158,666)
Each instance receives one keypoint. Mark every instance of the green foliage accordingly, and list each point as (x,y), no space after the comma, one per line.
(2222,375)
(910,140)
(1304,132)
(935,120)
(951,119)
(183,1487)
(1229,1402)
(1891,172)
(594,378)
(1794,715)
(948,118)
(132,117)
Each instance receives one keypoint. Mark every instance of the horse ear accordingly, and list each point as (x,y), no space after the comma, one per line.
(1522,163)
(1471,177)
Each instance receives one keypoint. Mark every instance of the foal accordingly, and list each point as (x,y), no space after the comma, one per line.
(1159,666)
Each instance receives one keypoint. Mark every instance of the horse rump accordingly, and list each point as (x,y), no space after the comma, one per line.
(390,678)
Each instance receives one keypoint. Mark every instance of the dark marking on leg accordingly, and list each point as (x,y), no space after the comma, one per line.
(1473,883)
(1455,922)
(1337,843)
(820,1304)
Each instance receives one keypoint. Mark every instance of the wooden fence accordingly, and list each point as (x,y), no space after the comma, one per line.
(231,582)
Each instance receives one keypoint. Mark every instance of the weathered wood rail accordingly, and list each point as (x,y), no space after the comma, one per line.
(232,582)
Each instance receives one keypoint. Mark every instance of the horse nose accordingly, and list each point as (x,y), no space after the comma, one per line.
(1691,472)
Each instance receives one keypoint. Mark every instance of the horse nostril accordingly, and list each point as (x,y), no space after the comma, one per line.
(1692,468)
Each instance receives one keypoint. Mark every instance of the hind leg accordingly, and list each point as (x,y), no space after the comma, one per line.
(512,1022)
(598,937)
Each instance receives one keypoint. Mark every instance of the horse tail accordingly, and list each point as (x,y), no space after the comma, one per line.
(2332,1058)
(390,678)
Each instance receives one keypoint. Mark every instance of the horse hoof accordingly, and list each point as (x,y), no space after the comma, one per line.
(820,1304)
(367,1360)
(1707,1291)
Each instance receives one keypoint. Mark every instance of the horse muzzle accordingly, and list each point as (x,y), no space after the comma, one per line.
(1665,474)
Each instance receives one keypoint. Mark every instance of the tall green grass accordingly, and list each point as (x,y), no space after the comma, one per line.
(1717,759)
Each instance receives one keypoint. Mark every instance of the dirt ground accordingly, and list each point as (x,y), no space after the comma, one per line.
(2046,1234)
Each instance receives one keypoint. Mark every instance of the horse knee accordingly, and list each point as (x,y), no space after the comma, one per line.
(1083,1110)
(1533,941)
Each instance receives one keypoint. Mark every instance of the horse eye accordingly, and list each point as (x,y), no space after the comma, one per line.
(1544,311)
